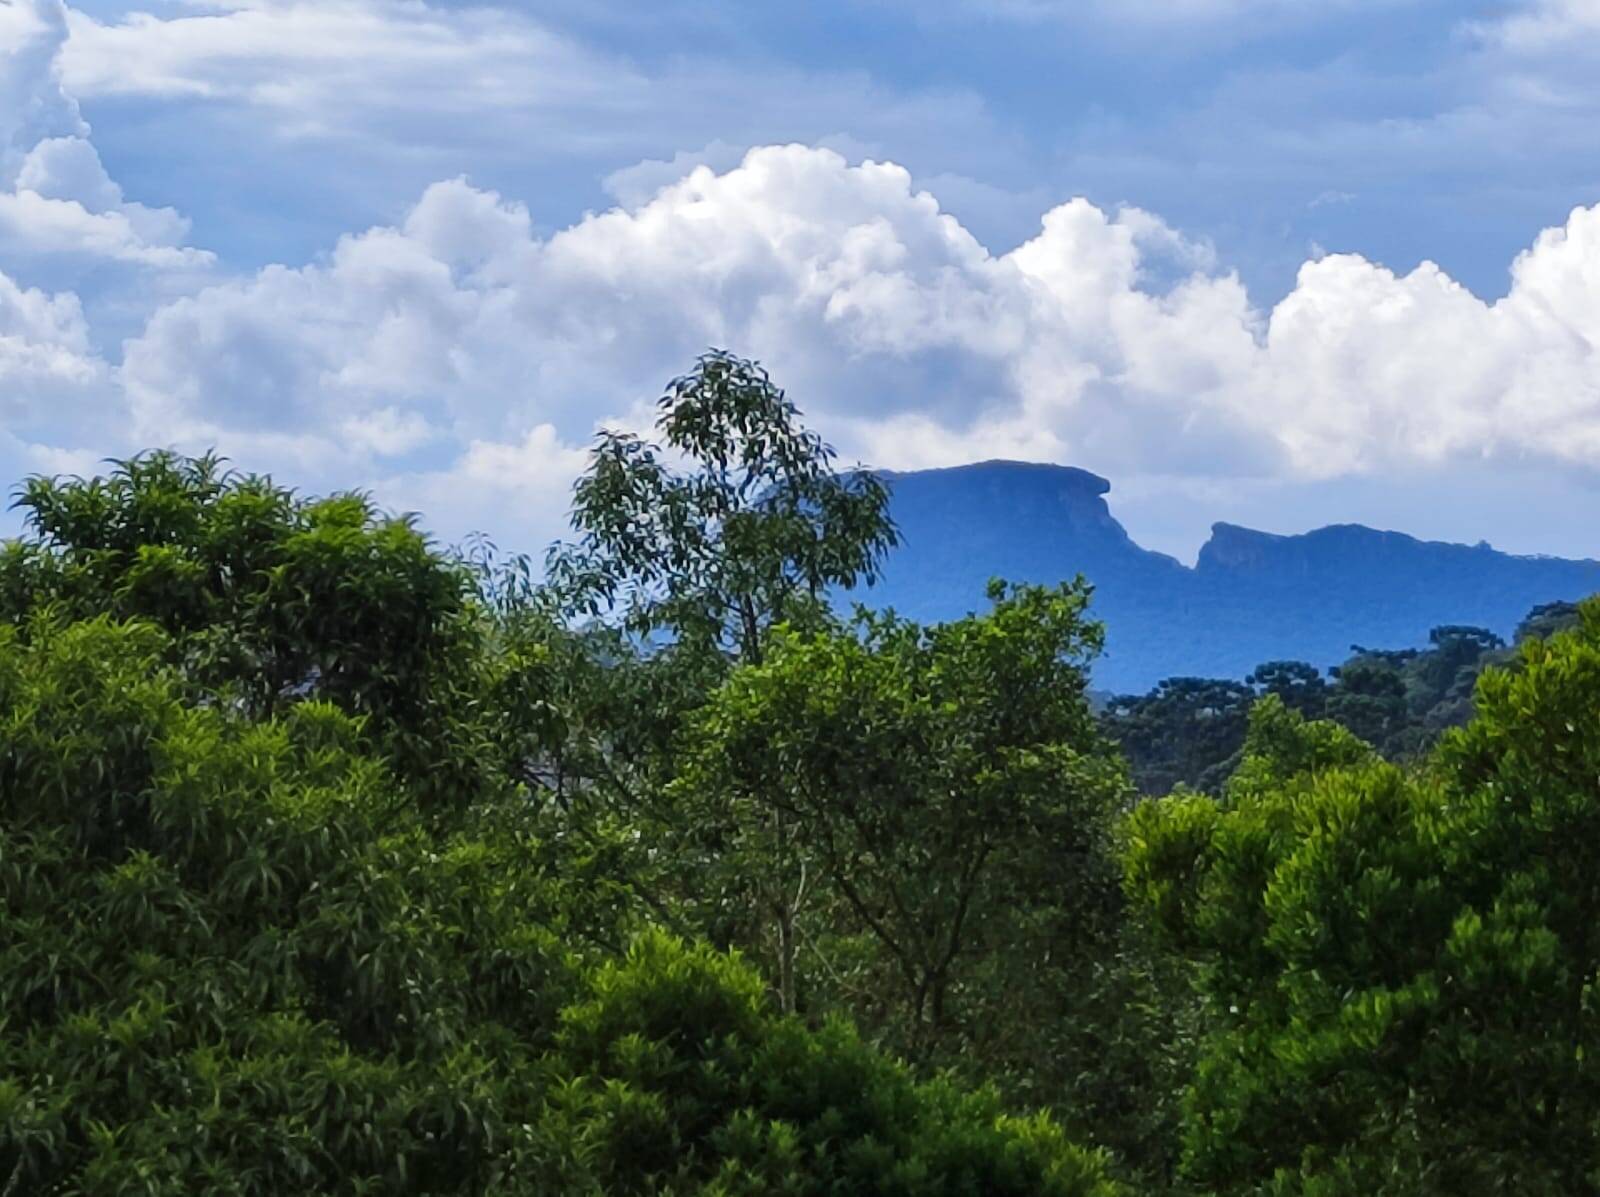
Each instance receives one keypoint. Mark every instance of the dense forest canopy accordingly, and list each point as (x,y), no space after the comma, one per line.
(1191,731)
(333,861)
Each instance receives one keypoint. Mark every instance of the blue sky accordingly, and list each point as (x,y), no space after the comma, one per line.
(1279,262)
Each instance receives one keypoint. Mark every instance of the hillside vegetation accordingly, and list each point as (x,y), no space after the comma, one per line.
(1190,731)
(333,862)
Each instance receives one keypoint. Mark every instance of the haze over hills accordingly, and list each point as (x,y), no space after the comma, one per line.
(1251,596)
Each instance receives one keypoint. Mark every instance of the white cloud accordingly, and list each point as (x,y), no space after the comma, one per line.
(44,342)
(461,336)
(636,185)
(36,225)
(1184,12)
(1233,19)
(1369,369)
(33,105)
(321,60)
(408,85)
(1545,25)
(57,401)
(375,349)
(56,201)
(527,484)
(67,170)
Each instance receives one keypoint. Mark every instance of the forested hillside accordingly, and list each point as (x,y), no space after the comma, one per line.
(332,861)
(1190,731)
(1250,597)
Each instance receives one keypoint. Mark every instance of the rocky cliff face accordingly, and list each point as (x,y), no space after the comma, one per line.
(1252,596)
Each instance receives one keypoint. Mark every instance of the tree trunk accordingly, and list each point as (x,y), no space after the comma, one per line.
(786,953)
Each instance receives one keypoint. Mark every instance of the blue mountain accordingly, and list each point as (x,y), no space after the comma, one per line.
(1251,597)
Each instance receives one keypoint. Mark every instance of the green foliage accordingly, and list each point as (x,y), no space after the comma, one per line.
(267,598)
(230,961)
(227,961)
(1398,968)
(1187,730)
(678,1079)
(911,825)
(755,533)
(320,851)
(1546,620)
(330,862)
(1191,731)
(680,574)
(943,784)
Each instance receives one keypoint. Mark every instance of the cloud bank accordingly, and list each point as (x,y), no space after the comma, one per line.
(1107,339)
(459,360)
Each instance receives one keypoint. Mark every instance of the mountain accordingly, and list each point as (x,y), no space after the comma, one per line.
(1251,596)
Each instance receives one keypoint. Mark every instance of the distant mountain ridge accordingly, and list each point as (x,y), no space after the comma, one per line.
(1251,596)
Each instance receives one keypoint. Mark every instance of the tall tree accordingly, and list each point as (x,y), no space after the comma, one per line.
(736,522)
(1299,686)
(755,530)
(1370,699)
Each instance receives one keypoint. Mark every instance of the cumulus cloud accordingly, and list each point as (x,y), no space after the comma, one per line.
(380,347)
(37,225)
(61,215)
(858,290)
(640,183)
(53,387)
(44,344)
(64,202)
(33,104)
(1390,369)
(57,204)
(1107,340)
(527,482)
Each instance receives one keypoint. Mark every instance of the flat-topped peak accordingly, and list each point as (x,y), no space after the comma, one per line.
(1252,596)
(1071,477)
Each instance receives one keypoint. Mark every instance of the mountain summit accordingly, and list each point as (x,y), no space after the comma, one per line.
(1251,596)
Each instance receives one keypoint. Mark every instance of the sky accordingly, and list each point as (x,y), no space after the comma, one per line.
(1281,263)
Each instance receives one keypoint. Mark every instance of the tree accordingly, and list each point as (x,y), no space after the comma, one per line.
(1370,699)
(675,1077)
(1546,620)
(756,532)
(229,962)
(268,599)
(1398,968)
(945,784)
(1187,730)
(237,957)
(1299,686)
(1439,683)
